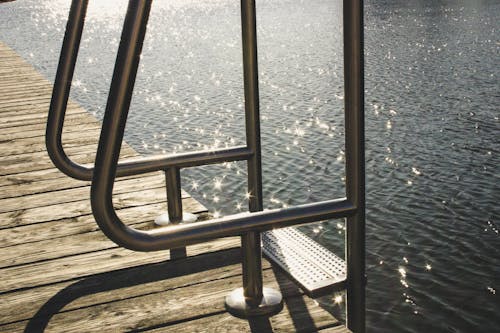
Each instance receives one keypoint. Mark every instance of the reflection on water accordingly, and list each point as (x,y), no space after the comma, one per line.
(432,125)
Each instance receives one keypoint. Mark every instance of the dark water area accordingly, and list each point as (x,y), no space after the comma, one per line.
(432,129)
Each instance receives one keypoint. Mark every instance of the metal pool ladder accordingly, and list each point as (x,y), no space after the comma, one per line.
(312,266)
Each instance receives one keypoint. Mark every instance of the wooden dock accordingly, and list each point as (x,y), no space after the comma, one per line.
(59,273)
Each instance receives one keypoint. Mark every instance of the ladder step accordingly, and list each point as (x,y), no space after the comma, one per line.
(313,267)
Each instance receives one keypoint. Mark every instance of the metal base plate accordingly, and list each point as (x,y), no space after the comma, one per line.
(163,219)
(315,268)
(271,304)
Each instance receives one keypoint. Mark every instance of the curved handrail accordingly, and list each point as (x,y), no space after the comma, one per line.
(180,235)
(106,167)
(60,93)
(57,112)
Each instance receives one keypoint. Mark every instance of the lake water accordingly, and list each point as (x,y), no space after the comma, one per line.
(432,128)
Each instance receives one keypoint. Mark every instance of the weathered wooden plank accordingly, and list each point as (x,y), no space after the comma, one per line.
(171,306)
(122,284)
(56,247)
(31,176)
(87,264)
(19,81)
(15,73)
(21,75)
(40,127)
(76,225)
(33,110)
(92,134)
(69,120)
(71,141)
(9,57)
(8,149)
(24,96)
(20,66)
(20,98)
(29,110)
(38,113)
(12,57)
(34,176)
(186,305)
(23,72)
(29,162)
(11,93)
(33,145)
(23,79)
(82,207)
(13,61)
(42,103)
(300,314)
(76,152)
(41,184)
(40,131)
(20,86)
(77,194)
(16,146)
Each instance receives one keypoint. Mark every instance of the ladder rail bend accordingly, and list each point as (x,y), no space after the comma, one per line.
(58,108)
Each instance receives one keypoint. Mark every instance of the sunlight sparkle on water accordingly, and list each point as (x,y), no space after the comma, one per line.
(217,184)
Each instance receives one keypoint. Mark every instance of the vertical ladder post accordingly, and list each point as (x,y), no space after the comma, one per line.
(355,163)
(252,300)
(252,256)
(174,204)
(174,200)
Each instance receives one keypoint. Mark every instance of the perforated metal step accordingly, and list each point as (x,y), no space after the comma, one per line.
(316,269)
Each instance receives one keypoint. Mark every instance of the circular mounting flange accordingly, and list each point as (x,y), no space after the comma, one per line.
(163,219)
(271,304)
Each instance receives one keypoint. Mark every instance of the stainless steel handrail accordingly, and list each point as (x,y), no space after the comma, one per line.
(355,162)
(252,299)
(58,107)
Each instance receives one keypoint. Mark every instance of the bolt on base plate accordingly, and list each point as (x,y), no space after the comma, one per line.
(163,219)
(270,305)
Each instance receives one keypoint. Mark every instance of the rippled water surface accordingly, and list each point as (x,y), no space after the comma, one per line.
(432,128)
